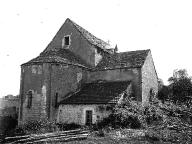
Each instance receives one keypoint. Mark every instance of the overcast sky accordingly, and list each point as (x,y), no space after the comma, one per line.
(164,26)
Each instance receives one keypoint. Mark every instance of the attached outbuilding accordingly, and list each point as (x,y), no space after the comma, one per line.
(93,102)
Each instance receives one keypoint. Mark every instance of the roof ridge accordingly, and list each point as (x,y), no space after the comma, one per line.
(134,51)
(89,36)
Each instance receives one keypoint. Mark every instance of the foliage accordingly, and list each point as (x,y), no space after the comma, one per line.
(166,122)
(37,126)
(163,93)
(180,86)
(70,126)
(7,124)
(131,114)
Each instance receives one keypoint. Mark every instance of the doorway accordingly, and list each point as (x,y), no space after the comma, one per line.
(88,117)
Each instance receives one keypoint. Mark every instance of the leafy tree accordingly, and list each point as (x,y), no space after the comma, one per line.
(180,86)
(163,93)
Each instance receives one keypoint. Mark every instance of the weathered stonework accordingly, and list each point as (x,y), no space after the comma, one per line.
(62,70)
(76,113)
(149,79)
(64,81)
(79,45)
(123,74)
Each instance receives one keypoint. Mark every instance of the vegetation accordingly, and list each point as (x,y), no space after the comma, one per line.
(7,124)
(166,119)
(179,89)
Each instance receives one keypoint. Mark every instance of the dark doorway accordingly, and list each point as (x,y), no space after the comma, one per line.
(88,120)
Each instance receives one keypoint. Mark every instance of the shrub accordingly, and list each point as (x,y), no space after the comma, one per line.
(37,126)
(132,114)
(7,124)
(65,126)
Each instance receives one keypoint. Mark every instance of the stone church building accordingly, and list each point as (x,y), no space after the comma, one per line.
(79,77)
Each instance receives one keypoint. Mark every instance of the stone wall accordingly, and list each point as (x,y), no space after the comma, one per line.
(14,102)
(65,79)
(149,79)
(33,78)
(9,106)
(45,81)
(124,74)
(78,44)
(76,113)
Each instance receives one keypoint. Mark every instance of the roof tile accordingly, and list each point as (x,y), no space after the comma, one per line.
(58,56)
(124,59)
(98,93)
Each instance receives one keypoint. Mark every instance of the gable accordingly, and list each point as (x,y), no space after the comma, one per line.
(91,38)
(80,42)
(149,79)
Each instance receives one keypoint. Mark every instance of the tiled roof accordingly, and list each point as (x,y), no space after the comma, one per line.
(129,59)
(91,38)
(98,93)
(57,56)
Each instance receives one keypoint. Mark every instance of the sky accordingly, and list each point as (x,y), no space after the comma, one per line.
(164,26)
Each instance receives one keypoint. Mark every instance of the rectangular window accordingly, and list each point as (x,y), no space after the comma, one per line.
(29,99)
(56,99)
(66,40)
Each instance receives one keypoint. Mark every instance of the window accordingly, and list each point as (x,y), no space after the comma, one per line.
(56,99)
(66,40)
(29,99)
(151,95)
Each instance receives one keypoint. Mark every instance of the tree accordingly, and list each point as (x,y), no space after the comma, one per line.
(178,75)
(163,93)
(180,86)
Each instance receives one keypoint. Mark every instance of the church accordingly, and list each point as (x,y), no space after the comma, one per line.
(78,78)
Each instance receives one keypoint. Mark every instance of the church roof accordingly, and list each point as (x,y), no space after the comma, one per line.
(131,59)
(98,93)
(58,56)
(109,61)
(90,37)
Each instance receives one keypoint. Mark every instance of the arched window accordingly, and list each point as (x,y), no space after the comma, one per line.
(56,99)
(151,94)
(29,99)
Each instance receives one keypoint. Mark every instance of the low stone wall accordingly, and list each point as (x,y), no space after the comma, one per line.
(77,113)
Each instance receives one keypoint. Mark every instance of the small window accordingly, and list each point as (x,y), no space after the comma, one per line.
(29,99)
(56,99)
(151,95)
(67,40)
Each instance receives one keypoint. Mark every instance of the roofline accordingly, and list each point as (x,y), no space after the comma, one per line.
(134,51)
(86,38)
(90,69)
(28,63)
(93,70)
(85,103)
(152,62)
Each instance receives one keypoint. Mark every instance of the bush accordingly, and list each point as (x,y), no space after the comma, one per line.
(132,114)
(71,126)
(36,126)
(7,124)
